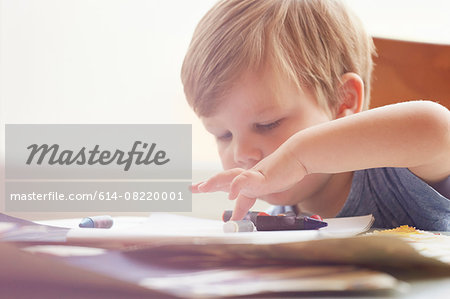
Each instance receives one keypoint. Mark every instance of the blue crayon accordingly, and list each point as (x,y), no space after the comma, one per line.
(104,221)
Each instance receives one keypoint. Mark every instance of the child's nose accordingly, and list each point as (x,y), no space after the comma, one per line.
(246,154)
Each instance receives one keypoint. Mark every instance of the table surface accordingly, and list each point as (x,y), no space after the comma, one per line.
(421,288)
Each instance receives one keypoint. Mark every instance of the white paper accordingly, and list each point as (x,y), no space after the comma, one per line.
(170,228)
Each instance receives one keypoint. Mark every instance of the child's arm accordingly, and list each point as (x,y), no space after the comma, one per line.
(412,134)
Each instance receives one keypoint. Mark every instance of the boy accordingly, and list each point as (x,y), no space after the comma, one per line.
(284,86)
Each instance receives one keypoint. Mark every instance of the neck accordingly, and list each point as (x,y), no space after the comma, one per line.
(331,198)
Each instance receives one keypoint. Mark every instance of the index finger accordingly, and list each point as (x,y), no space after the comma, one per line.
(243,205)
(220,182)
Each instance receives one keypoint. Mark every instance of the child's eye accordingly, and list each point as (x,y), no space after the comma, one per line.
(267,127)
(224,137)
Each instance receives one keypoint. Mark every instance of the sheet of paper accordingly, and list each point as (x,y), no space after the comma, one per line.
(348,226)
(263,280)
(377,252)
(131,273)
(170,228)
(20,230)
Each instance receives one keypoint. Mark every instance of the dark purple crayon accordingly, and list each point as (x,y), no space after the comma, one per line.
(269,223)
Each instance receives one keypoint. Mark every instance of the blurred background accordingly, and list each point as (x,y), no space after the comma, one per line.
(118,62)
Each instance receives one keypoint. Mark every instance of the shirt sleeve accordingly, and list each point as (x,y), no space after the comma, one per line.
(395,196)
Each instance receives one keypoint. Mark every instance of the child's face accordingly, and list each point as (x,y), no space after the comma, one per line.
(255,118)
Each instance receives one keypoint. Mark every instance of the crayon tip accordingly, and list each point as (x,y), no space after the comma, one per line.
(226,215)
(311,223)
(86,222)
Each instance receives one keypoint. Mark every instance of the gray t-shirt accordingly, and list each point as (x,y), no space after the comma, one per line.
(395,196)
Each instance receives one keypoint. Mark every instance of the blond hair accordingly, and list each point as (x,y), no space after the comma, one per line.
(312,42)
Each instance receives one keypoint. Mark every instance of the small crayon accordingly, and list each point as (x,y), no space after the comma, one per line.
(238,226)
(271,223)
(104,221)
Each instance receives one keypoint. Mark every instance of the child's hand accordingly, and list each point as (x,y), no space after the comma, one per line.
(219,182)
(223,182)
(276,173)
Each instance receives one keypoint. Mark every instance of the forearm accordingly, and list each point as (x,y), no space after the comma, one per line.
(413,134)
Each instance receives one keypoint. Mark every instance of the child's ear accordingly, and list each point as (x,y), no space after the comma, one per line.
(351,93)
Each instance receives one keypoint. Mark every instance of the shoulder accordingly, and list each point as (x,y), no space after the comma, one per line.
(434,120)
(397,180)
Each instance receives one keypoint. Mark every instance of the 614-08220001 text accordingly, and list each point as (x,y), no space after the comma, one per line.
(99,195)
